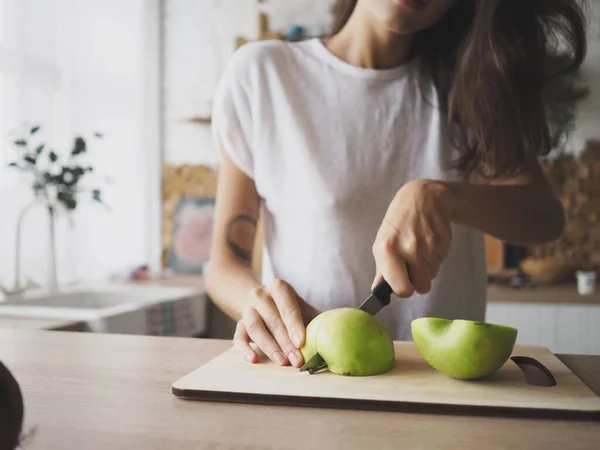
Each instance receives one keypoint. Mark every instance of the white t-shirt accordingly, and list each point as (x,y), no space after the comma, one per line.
(328,145)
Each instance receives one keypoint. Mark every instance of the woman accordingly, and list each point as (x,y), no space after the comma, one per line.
(386,149)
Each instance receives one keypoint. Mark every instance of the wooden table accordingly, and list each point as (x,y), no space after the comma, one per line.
(91,391)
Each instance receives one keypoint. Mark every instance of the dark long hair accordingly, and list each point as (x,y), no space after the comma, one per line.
(491,62)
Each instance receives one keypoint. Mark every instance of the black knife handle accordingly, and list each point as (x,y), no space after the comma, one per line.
(383,292)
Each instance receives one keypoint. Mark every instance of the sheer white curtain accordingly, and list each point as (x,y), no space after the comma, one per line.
(76,67)
(32,90)
(33,58)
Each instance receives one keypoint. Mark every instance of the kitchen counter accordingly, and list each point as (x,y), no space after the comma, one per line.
(159,307)
(565,294)
(554,316)
(99,391)
(40,323)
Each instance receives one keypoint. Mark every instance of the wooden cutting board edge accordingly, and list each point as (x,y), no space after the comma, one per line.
(385,406)
(382,406)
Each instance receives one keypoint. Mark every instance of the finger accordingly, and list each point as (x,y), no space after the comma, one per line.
(394,270)
(443,249)
(443,233)
(258,332)
(420,277)
(377,278)
(257,329)
(286,300)
(415,251)
(241,341)
(275,325)
(434,265)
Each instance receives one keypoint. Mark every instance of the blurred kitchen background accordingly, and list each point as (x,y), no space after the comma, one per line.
(106,108)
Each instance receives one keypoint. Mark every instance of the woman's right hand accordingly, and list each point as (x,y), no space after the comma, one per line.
(275,320)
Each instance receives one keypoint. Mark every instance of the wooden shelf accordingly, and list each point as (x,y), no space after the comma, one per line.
(561,294)
(200,120)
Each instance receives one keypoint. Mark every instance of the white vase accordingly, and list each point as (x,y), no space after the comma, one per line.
(51,277)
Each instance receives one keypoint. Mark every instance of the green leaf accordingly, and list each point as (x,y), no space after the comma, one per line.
(89,169)
(67,199)
(79,147)
(13,164)
(39,149)
(30,159)
(35,129)
(52,156)
(20,143)
(99,135)
(97,195)
(78,171)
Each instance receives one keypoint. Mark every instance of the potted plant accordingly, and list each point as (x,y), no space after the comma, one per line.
(57,182)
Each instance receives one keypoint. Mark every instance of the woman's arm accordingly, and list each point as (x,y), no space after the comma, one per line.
(415,235)
(230,277)
(519,210)
(274,316)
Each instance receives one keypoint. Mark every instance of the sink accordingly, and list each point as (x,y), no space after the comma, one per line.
(76,300)
(118,308)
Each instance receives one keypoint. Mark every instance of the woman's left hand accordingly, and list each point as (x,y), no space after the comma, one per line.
(414,237)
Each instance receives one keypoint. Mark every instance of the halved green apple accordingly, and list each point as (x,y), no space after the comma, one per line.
(352,342)
(463,349)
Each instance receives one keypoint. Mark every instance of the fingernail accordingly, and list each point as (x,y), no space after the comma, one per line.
(279,357)
(249,357)
(375,281)
(294,358)
(297,339)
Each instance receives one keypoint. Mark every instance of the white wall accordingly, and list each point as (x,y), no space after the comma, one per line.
(199,37)
(101,50)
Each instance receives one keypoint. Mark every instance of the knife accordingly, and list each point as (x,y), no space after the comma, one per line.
(380,297)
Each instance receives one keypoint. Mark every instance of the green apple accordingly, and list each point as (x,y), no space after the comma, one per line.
(352,342)
(310,345)
(463,349)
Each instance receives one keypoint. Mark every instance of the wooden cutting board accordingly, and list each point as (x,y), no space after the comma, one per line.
(411,386)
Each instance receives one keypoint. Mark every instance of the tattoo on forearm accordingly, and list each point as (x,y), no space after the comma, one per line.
(239,235)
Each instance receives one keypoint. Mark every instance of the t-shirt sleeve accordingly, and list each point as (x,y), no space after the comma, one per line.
(231,117)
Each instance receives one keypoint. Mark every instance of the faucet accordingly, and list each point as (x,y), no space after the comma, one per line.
(17,288)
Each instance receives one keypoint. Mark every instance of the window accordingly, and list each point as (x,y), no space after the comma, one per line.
(29,66)
(31,90)
(76,67)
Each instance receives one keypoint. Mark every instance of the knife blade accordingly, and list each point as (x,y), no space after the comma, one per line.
(380,297)
(314,364)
